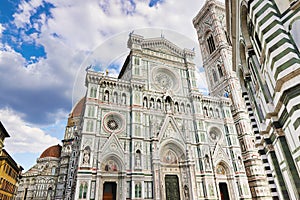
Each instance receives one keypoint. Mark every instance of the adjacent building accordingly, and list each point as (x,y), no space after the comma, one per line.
(9,170)
(265,45)
(216,49)
(40,181)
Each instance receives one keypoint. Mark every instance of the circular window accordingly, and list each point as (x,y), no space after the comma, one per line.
(215,134)
(164,79)
(113,122)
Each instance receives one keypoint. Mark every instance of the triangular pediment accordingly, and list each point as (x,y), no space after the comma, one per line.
(162,45)
(112,146)
(170,130)
(220,154)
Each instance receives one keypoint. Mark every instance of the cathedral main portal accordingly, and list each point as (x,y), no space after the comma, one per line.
(172,187)
(109,191)
(223,191)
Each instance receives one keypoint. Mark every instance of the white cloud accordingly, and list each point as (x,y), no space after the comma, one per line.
(24,137)
(1,30)
(79,28)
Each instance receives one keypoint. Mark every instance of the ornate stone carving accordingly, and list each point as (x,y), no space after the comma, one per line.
(113,122)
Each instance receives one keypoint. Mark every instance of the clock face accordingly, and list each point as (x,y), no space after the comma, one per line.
(165,79)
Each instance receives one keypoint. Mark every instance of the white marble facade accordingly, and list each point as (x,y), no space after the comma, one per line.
(150,134)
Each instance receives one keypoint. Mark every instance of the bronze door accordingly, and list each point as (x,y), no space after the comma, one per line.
(224,191)
(172,187)
(109,191)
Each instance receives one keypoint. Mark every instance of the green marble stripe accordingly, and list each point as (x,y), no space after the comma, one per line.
(278,44)
(285,98)
(283,117)
(296,124)
(295,151)
(270,26)
(273,36)
(290,163)
(279,175)
(281,55)
(257,4)
(290,94)
(267,17)
(285,66)
(261,11)
(294,108)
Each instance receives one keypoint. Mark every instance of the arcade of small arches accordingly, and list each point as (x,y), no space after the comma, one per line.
(166,104)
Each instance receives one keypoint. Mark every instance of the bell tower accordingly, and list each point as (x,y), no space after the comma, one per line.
(215,45)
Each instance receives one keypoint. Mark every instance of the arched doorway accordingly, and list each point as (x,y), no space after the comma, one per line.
(112,179)
(174,172)
(223,181)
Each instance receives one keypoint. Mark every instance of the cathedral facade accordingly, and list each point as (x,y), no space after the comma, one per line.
(150,134)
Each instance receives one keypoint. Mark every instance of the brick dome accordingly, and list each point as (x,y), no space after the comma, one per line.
(53,151)
(77,110)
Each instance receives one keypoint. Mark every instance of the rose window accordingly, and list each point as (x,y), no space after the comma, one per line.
(113,122)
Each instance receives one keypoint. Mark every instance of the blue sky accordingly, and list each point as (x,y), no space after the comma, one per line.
(46,45)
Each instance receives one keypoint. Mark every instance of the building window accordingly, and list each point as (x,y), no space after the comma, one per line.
(128,190)
(138,190)
(136,61)
(115,99)
(215,75)
(205,111)
(53,170)
(93,92)
(106,96)
(91,111)
(211,44)
(148,190)
(145,102)
(89,126)
(83,190)
(220,71)
(124,99)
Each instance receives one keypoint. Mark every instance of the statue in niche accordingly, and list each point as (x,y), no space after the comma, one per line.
(240,163)
(206,162)
(138,159)
(186,192)
(86,156)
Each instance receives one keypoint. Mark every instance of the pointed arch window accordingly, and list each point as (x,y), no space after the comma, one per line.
(215,76)
(115,99)
(85,190)
(220,71)
(124,99)
(93,92)
(138,190)
(211,44)
(106,96)
(205,111)
(145,102)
